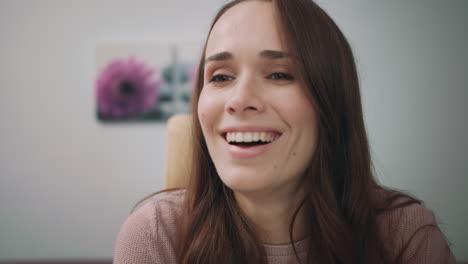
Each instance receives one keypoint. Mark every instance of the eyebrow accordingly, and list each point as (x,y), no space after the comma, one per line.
(266,54)
(274,54)
(222,56)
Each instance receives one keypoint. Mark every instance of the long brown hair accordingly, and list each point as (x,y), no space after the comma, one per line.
(343,199)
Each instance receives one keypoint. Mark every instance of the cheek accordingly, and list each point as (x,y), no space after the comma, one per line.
(308,118)
(303,116)
(209,108)
(203,109)
(298,111)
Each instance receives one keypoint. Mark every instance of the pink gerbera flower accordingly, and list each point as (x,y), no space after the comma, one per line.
(126,88)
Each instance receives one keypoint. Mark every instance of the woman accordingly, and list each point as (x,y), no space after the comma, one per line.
(282,170)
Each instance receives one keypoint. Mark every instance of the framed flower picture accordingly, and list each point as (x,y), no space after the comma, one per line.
(144,82)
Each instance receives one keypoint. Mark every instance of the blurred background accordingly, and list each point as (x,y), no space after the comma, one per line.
(68,182)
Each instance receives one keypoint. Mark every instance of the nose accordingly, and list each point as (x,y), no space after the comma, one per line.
(246,97)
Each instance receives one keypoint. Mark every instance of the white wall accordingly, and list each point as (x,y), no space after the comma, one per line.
(412,59)
(67,182)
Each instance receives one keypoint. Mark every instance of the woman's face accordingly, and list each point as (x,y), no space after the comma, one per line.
(259,126)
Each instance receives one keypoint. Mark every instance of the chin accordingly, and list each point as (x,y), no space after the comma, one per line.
(245,182)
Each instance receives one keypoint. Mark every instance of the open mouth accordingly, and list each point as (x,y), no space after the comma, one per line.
(250,139)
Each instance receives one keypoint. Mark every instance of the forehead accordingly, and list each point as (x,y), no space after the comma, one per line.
(250,26)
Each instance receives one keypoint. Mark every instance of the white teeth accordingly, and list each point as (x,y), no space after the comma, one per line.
(256,136)
(248,137)
(251,136)
(239,137)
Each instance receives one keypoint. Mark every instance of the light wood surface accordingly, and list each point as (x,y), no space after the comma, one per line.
(179,151)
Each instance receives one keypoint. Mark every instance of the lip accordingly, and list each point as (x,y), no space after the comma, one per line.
(248,152)
(224,130)
(242,152)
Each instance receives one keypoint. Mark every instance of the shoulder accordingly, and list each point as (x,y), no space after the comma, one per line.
(411,233)
(406,214)
(149,234)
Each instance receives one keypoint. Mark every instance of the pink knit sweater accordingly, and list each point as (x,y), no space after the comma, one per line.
(149,236)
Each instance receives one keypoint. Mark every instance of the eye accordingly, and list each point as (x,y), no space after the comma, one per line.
(280,76)
(221,78)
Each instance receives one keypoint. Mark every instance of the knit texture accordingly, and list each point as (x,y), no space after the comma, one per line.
(149,236)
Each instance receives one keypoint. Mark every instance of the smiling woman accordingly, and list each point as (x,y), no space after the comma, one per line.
(244,90)
(281,164)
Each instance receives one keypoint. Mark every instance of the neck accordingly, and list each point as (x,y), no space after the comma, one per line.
(271,216)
